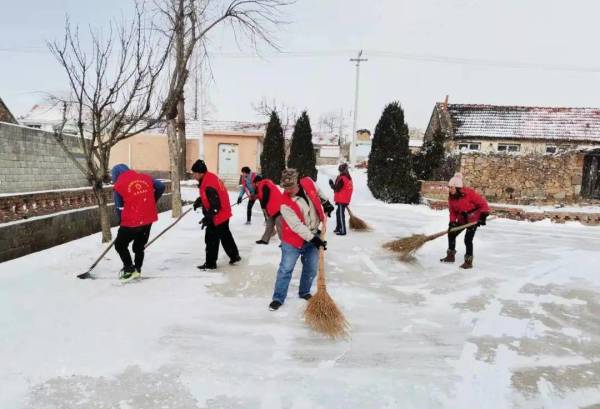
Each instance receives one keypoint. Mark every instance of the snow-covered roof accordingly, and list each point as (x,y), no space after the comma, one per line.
(324,138)
(5,114)
(415,143)
(522,122)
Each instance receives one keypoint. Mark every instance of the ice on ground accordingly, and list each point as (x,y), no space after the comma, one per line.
(520,330)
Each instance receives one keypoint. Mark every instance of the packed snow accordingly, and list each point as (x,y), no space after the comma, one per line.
(519,330)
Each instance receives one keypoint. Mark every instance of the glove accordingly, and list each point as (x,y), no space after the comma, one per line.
(328,208)
(239,200)
(318,242)
(465,215)
(197,203)
(206,220)
(482,218)
(331,183)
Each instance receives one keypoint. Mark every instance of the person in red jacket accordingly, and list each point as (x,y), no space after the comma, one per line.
(214,200)
(135,196)
(466,206)
(342,188)
(269,196)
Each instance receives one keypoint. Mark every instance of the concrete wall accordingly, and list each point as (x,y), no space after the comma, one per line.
(32,160)
(150,152)
(28,236)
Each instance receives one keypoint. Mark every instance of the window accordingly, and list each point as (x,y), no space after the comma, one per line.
(469,147)
(551,149)
(35,126)
(510,148)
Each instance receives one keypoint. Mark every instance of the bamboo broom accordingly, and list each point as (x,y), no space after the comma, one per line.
(322,314)
(408,245)
(357,223)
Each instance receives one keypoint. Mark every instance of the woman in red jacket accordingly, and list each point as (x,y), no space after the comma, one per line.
(466,206)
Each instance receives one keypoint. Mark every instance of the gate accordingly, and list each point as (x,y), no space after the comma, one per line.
(590,185)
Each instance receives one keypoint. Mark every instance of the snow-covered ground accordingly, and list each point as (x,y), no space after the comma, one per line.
(520,330)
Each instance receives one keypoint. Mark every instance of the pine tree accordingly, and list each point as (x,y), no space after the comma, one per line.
(302,153)
(272,158)
(428,163)
(390,174)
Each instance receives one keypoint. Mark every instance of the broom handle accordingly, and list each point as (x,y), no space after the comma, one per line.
(457,228)
(171,225)
(321,276)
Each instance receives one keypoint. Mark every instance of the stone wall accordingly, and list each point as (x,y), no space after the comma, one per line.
(525,179)
(31,160)
(23,237)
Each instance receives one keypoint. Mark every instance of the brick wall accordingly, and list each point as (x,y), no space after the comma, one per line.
(525,179)
(31,160)
(27,236)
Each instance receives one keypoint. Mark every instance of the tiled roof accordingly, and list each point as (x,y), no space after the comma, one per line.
(519,122)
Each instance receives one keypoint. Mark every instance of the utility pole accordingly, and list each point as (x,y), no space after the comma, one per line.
(358,60)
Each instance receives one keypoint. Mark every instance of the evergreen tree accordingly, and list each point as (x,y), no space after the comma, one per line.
(390,174)
(272,158)
(428,163)
(302,153)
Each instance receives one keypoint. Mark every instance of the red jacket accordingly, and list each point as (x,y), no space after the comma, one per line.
(211,180)
(274,200)
(311,191)
(344,195)
(470,202)
(137,192)
(287,234)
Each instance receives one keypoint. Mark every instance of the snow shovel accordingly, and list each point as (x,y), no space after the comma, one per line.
(321,313)
(87,273)
(408,245)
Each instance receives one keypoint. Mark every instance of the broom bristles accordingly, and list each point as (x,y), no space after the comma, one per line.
(356,223)
(408,245)
(323,315)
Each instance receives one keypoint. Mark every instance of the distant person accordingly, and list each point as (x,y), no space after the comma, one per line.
(465,206)
(301,215)
(247,187)
(214,200)
(269,197)
(342,193)
(135,196)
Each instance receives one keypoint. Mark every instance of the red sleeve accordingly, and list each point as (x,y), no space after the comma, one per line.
(480,203)
(453,213)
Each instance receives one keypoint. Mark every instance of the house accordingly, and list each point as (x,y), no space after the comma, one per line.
(49,117)
(327,148)
(227,147)
(514,129)
(5,114)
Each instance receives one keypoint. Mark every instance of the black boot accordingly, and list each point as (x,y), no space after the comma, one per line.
(449,257)
(207,266)
(468,262)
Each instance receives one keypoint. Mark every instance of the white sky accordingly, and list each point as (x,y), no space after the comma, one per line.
(541,35)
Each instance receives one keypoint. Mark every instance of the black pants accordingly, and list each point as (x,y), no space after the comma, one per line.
(340,216)
(468,240)
(139,236)
(249,209)
(219,234)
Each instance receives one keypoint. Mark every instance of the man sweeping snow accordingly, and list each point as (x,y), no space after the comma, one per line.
(247,187)
(465,206)
(301,214)
(135,196)
(269,197)
(342,188)
(214,200)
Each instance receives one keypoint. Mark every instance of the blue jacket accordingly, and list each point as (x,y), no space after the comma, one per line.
(117,170)
(246,181)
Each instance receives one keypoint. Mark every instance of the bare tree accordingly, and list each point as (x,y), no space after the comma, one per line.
(188,22)
(287,114)
(115,94)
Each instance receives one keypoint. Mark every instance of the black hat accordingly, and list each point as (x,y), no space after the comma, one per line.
(258,178)
(199,166)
